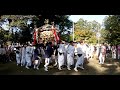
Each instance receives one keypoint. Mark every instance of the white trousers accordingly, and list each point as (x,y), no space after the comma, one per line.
(101,58)
(80,61)
(70,60)
(23,61)
(60,60)
(47,62)
(18,60)
(28,61)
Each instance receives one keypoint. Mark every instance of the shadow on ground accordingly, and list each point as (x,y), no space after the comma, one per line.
(111,67)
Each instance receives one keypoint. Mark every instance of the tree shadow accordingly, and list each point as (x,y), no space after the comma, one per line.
(89,69)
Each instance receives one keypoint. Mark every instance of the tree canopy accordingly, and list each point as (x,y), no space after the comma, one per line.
(87,31)
(112,29)
(20,21)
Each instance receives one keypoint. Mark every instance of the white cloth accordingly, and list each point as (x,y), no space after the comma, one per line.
(18,57)
(80,60)
(65,54)
(70,55)
(60,57)
(28,56)
(102,54)
(23,60)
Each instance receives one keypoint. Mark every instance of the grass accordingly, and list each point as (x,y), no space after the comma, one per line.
(92,67)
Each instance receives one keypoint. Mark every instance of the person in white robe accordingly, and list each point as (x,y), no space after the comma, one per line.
(102,54)
(97,50)
(28,56)
(61,51)
(65,53)
(23,59)
(18,56)
(80,57)
(119,51)
(32,53)
(113,49)
(75,52)
(70,55)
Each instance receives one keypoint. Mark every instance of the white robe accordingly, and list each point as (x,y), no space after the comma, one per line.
(18,57)
(65,54)
(70,55)
(98,51)
(28,55)
(60,57)
(80,60)
(23,60)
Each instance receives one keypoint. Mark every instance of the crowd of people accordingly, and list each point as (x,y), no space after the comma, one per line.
(72,54)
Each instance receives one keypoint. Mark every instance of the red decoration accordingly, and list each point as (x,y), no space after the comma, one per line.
(55,35)
(35,41)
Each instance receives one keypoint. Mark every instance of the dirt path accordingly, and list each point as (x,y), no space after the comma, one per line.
(92,67)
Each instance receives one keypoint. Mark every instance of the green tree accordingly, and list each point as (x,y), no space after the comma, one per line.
(112,26)
(4,36)
(21,21)
(87,31)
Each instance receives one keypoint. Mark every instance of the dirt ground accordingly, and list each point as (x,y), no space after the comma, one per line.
(92,67)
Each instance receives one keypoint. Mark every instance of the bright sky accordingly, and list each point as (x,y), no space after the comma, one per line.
(98,18)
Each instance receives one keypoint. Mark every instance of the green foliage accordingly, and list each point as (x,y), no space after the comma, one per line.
(17,20)
(4,36)
(38,20)
(112,26)
(87,31)
(66,37)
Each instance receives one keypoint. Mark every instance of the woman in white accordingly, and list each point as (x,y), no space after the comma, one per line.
(70,55)
(80,57)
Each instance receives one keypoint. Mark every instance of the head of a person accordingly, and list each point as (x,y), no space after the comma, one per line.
(81,42)
(103,43)
(50,43)
(71,43)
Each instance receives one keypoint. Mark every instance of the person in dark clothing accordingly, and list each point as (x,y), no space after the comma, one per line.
(48,53)
(37,57)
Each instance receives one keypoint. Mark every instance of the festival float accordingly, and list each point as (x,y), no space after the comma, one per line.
(46,33)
